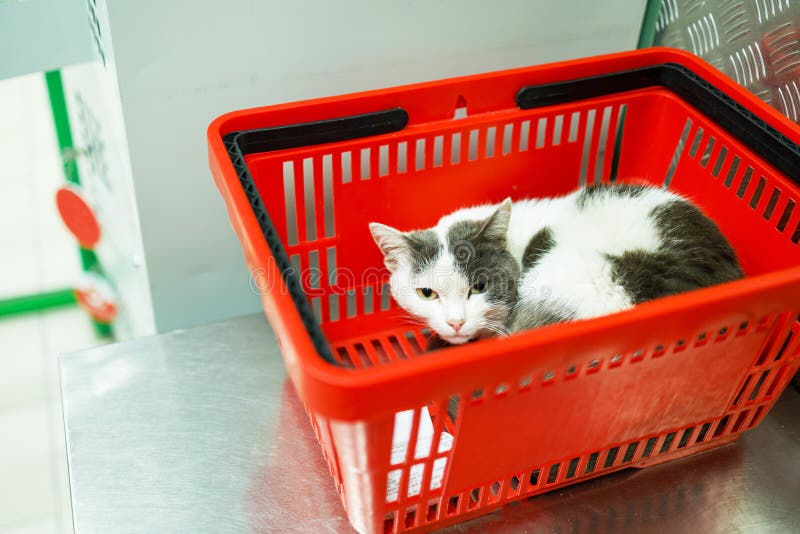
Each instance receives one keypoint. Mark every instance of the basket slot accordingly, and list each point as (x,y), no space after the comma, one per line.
(676,156)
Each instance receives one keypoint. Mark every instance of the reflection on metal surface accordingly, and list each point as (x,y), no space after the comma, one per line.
(204,434)
(755,42)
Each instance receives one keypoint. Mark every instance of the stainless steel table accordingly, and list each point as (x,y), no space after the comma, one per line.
(199,431)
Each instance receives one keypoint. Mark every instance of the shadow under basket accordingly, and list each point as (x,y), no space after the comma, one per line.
(420,441)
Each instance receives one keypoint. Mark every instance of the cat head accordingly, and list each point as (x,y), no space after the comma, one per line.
(457,277)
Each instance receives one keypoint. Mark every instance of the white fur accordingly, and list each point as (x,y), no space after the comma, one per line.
(575,273)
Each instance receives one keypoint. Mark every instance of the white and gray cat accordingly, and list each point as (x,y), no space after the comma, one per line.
(496,269)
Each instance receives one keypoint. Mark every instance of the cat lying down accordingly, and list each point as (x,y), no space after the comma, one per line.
(497,269)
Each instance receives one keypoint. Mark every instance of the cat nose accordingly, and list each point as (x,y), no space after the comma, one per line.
(456,324)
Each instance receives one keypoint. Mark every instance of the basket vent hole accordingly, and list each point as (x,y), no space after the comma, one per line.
(796,233)
(548,376)
(594,364)
(383,160)
(534,478)
(368,299)
(742,189)
(397,348)
(723,331)
(743,325)
(452,505)
(327,194)
(525,382)
(762,183)
(477,394)
(782,350)
(501,389)
(742,390)
(703,431)
(787,213)
(431,515)
(453,404)
(541,132)
(687,434)
(553,474)
(411,517)
(587,142)
(345,356)
(702,336)
(760,383)
(524,134)
(611,457)
(402,157)
(592,463)
(630,452)
(732,171)
(385,297)
(455,148)
(491,134)
(289,202)
(602,144)
(495,488)
(388,523)
(572,467)
(461,108)
(508,134)
(721,426)
(667,442)
(707,153)
(648,447)
(572,371)
(680,343)
(419,162)
(474,497)
(616,358)
(574,124)
(412,340)
(380,351)
(723,154)
(366,157)
(773,200)
(438,148)
(333,307)
(698,136)
(558,126)
(638,354)
(347,167)
(740,421)
(676,156)
(515,483)
(351,303)
(473,145)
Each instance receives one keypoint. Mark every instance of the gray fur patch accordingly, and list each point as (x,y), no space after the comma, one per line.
(534,315)
(482,258)
(599,192)
(539,245)
(693,254)
(424,247)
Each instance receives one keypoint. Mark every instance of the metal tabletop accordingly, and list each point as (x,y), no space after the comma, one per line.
(199,431)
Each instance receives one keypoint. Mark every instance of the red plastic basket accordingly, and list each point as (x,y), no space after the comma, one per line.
(548,407)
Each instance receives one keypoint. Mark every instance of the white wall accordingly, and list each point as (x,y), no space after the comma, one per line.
(40,35)
(182,63)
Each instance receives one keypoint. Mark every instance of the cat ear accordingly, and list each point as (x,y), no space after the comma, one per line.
(495,228)
(391,242)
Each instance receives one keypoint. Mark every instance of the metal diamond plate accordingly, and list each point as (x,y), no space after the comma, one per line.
(755,42)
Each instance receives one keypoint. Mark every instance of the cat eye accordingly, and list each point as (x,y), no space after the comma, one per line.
(427,293)
(478,287)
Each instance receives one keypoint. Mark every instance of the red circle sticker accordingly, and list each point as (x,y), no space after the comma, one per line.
(78,216)
(94,294)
